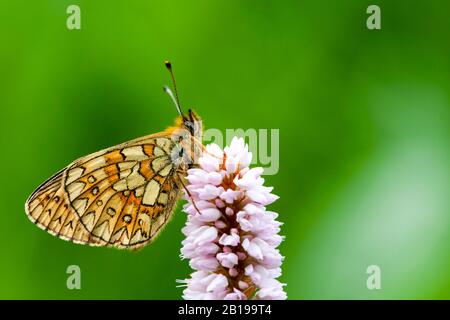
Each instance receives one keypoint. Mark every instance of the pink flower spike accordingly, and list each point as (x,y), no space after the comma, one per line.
(233,272)
(220,224)
(228,260)
(229,211)
(210,214)
(235,295)
(232,239)
(232,242)
(243,285)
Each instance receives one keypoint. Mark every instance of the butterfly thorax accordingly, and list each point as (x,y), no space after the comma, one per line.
(187,137)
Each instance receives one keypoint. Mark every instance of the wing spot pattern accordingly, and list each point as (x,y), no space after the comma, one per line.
(160,163)
(88,207)
(74,174)
(126,218)
(134,153)
(74,189)
(151,193)
(111,212)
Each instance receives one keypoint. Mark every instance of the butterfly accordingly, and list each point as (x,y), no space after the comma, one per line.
(121,196)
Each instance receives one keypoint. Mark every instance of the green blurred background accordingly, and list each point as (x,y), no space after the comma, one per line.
(363,118)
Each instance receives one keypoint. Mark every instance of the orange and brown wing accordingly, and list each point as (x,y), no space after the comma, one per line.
(47,207)
(120,197)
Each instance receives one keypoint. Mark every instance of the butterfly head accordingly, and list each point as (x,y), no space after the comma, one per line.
(193,124)
(187,132)
(187,138)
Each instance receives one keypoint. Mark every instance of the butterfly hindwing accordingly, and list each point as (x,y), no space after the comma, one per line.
(48,208)
(120,197)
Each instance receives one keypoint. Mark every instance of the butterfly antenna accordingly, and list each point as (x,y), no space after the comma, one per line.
(169,92)
(174,98)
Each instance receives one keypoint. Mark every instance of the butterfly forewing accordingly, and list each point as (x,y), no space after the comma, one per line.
(120,197)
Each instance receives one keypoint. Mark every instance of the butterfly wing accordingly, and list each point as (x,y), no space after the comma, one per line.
(121,196)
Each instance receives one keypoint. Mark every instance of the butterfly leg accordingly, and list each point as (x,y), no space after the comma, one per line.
(183,186)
